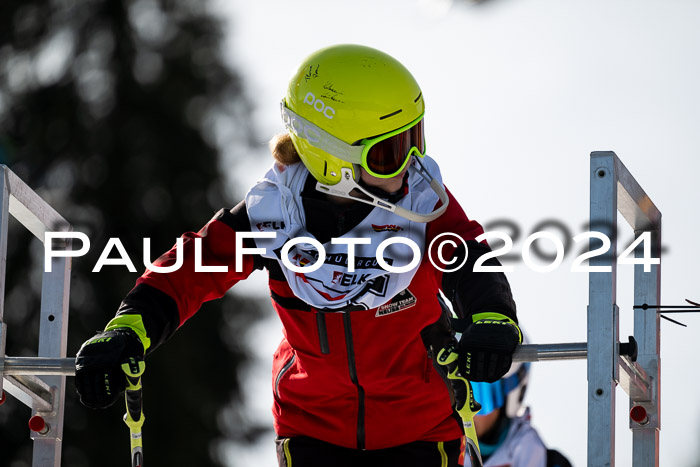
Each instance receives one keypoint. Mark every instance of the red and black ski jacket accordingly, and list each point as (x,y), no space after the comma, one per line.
(361,379)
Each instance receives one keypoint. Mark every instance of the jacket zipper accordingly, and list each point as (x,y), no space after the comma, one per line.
(322,333)
(284,369)
(355,381)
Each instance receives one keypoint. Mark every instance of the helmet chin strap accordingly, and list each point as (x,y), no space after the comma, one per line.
(347,187)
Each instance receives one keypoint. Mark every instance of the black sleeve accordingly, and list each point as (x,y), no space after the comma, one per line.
(158,310)
(477,292)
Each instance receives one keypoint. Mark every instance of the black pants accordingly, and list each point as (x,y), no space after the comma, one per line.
(302,451)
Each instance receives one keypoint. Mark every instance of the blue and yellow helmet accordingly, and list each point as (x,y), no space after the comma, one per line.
(507,392)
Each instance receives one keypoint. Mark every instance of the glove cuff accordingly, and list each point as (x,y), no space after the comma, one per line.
(133,322)
(493,316)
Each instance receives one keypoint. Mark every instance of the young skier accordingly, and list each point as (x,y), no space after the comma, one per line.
(503,424)
(354,378)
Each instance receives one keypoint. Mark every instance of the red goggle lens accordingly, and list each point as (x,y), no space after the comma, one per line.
(387,156)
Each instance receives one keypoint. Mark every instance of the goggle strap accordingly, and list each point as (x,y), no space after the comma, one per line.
(414,216)
(437,188)
(320,138)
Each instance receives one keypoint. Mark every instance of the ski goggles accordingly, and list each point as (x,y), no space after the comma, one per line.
(382,156)
(492,396)
(386,155)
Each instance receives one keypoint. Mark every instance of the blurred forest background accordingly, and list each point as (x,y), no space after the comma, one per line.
(116,113)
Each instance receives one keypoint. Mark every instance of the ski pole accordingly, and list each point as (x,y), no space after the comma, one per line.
(134,418)
(448,357)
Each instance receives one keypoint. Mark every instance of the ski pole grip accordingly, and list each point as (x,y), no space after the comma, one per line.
(133,369)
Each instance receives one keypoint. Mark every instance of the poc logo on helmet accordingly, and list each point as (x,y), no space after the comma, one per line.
(319,106)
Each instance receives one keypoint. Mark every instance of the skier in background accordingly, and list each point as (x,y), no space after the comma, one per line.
(355,380)
(506,437)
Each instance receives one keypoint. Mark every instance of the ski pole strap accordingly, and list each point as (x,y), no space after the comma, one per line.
(134,418)
(467,406)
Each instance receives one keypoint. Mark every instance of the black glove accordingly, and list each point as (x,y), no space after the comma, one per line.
(486,349)
(99,378)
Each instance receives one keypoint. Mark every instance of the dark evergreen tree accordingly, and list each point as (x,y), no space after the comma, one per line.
(111,110)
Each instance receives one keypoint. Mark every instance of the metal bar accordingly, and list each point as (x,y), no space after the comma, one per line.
(4,229)
(31,391)
(66,366)
(53,340)
(647,289)
(635,381)
(632,202)
(47,452)
(3,335)
(27,207)
(39,366)
(545,352)
(603,323)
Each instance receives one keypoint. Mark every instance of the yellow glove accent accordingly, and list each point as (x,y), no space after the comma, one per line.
(133,322)
(497,317)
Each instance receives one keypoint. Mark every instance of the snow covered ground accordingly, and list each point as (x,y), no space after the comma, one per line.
(518,94)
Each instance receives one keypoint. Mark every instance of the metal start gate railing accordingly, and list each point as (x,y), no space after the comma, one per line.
(633,365)
(45,395)
(614,189)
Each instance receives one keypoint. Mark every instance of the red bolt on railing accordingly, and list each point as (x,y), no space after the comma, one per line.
(639,414)
(38,424)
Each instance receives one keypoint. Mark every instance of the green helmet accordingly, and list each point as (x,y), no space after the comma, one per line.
(351,92)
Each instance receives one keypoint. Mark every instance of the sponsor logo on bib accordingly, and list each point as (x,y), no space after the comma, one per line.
(405,299)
